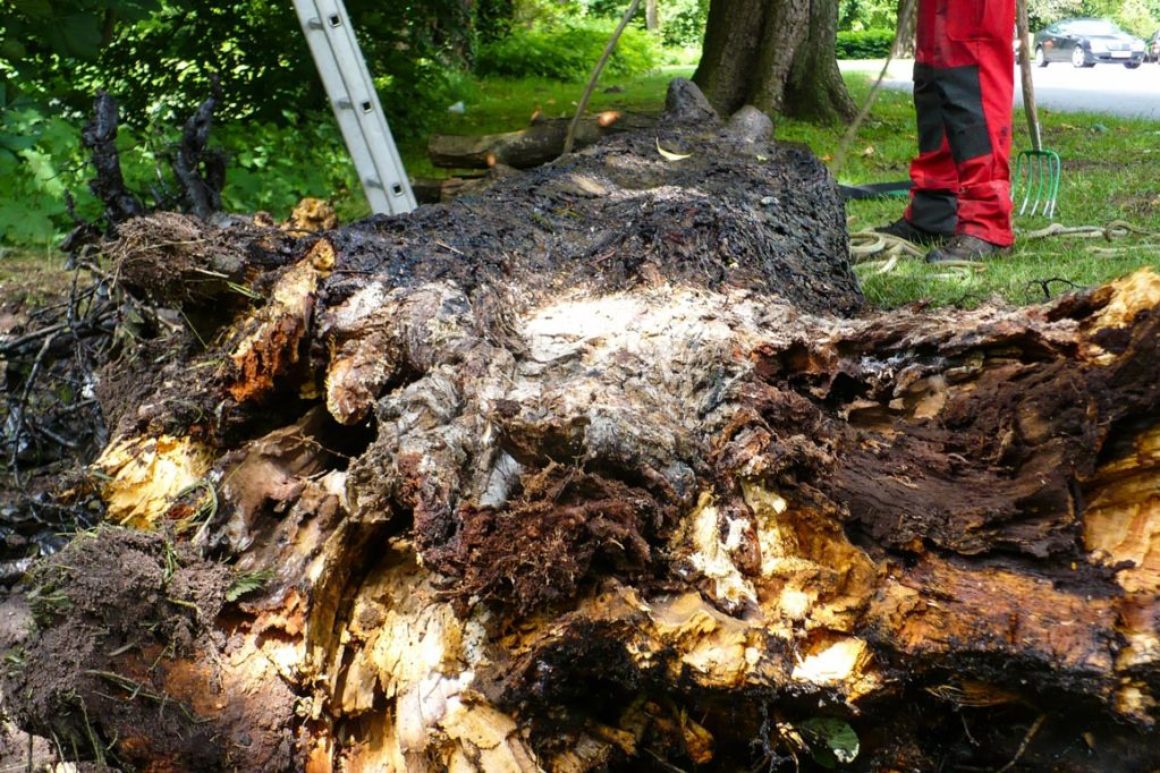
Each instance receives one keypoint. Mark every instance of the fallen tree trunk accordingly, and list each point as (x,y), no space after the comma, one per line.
(601,471)
(538,144)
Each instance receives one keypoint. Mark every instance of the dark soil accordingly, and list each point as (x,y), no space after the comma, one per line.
(114,613)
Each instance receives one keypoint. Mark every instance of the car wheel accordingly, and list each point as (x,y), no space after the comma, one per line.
(1132,65)
(1040,57)
(1078,57)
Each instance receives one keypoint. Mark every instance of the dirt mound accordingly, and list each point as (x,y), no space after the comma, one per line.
(114,615)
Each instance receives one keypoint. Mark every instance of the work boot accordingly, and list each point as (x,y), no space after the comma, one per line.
(965,247)
(904,229)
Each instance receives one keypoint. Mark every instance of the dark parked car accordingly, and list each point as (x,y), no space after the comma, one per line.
(1087,42)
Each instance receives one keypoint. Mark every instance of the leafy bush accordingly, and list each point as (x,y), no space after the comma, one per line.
(157,57)
(1136,17)
(567,52)
(271,165)
(679,22)
(40,158)
(683,22)
(865,44)
(868,14)
(415,103)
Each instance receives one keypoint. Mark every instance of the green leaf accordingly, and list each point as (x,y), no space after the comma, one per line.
(15,142)
(248,583)
(12,50)
(832,741)
(134,10)
(77,35)
(34,9)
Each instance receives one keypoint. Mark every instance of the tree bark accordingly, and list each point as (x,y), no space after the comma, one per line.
(814,89)
(777,55)
(602,471)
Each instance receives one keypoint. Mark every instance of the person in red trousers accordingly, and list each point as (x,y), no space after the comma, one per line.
(964,81)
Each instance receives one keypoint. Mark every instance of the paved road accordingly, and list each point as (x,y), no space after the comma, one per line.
(1105,88)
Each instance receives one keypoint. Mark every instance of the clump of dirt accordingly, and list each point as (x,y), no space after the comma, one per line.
(112,612)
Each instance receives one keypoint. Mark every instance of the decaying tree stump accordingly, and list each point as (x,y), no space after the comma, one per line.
(599,469)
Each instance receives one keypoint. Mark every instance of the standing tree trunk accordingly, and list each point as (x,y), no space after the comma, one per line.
(815,90)
(651,19)
(777,55)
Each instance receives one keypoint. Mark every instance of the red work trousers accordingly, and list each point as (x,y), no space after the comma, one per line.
(964,81)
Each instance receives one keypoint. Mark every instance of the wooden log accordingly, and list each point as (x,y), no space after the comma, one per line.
(484,488)
(538,144)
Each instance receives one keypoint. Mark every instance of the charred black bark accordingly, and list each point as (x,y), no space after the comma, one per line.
(99,136)
(200,171)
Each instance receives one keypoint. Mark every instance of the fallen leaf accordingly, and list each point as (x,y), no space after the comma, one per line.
(669,155)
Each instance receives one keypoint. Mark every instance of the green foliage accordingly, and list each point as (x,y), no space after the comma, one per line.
(867,14)
(865,44)
(683,22)
(1137,17)
(71,28)
(157,56)
(248,582)
(679,22)
(40,158)
(832,742)
(567,52)
(414,103)
(271,166)
(1141,17)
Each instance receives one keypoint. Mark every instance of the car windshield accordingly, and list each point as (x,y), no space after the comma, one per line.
(1093,27)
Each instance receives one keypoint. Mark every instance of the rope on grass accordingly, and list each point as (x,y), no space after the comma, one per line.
(1114,229)
(878,253)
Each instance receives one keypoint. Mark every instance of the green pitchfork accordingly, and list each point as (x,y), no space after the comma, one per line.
(1037,171)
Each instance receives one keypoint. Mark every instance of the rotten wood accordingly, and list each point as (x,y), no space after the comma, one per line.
(487,488)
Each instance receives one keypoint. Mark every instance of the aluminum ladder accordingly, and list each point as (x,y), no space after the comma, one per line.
(356,105)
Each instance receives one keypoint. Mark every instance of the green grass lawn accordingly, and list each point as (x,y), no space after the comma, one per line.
(1111,171)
